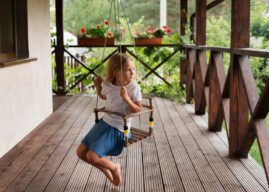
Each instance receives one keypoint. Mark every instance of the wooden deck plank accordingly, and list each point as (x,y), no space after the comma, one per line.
(82,171)
(122,160)
(134,169)
(16,151)
(221,170)
(61,143)
(186,168)
(152,171)
(59,100)
(251,164)
(235,165)
(170,175)
(29,172)
(39,141)
(181,156)
(62,175)
(96,181)
(44,175)
(203,169)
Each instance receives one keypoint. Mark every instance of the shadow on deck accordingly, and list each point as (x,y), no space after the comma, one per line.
(182,156)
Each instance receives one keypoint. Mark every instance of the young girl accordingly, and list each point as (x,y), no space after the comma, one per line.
(106,138)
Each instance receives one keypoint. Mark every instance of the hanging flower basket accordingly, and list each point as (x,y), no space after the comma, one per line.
(148,41)
(96,41)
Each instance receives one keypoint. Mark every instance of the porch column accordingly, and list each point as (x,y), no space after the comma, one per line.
(200,22)
(59,54)
(238,100)
(200,102)
(183,22)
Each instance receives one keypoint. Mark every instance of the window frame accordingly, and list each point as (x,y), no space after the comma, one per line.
(20,33)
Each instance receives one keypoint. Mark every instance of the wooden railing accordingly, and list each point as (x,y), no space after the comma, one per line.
(73,64)
(232,97)
(124,49)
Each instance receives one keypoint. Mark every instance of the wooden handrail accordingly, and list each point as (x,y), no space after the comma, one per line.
(252,52)
(208,48)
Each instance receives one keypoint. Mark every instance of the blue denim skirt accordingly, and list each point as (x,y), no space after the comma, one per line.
(105,140)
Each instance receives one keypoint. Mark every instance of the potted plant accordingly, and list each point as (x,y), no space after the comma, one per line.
(99,35)
(150,36)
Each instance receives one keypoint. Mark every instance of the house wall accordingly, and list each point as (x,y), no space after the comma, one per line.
(25,94)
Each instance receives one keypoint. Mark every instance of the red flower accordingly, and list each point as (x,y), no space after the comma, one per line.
(168,30)
(149,26)
(112,25)
(109,34)
(164,27)
(106,22)
(82,30)
(98,26)
(165,30)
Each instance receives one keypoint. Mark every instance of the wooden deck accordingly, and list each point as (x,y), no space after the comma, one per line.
(182,156)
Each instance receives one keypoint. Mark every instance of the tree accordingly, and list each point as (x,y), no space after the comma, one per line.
(150,9)
(84,13)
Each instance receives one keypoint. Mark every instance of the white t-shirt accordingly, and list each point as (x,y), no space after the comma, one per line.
(114,102)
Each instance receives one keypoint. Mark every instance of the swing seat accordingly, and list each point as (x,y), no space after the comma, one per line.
(137,134)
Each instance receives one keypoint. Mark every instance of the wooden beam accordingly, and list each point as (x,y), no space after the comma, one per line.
(200,22)
(59,56)
(240,24)
(238,98)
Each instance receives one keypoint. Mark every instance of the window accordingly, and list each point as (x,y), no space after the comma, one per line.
(13,29)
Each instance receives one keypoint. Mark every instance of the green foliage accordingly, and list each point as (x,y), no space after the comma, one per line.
(218,32)
(84,13)
(96,32)
(259,29)
(150,33)
(158,33)
(173,92)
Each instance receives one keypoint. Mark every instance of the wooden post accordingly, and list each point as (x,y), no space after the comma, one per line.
(59,54)
(238,99)
(183,22)
(200,22)
(200,64)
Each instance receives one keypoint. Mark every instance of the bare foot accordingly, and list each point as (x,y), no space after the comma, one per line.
(108,175)
(116,175)
(106,172)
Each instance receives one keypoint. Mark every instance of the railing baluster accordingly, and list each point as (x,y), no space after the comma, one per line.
(191,57)
(216,79)
(200,74)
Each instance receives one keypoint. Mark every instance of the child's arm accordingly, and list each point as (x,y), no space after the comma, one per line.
(98,85)
(134,106)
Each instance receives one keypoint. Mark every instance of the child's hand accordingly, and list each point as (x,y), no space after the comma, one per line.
(97,82)
(124,93)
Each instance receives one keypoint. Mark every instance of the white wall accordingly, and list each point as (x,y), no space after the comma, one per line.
(25,94)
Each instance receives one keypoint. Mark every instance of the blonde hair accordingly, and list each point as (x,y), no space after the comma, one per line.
(114,65)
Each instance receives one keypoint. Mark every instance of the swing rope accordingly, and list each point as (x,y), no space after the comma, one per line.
(102,61)
(118,34)
(133,41)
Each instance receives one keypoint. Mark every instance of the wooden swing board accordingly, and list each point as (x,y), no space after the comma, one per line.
(121,114)
(138,135)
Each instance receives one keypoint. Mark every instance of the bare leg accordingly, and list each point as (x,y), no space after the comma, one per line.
(114,168)
(82,152)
